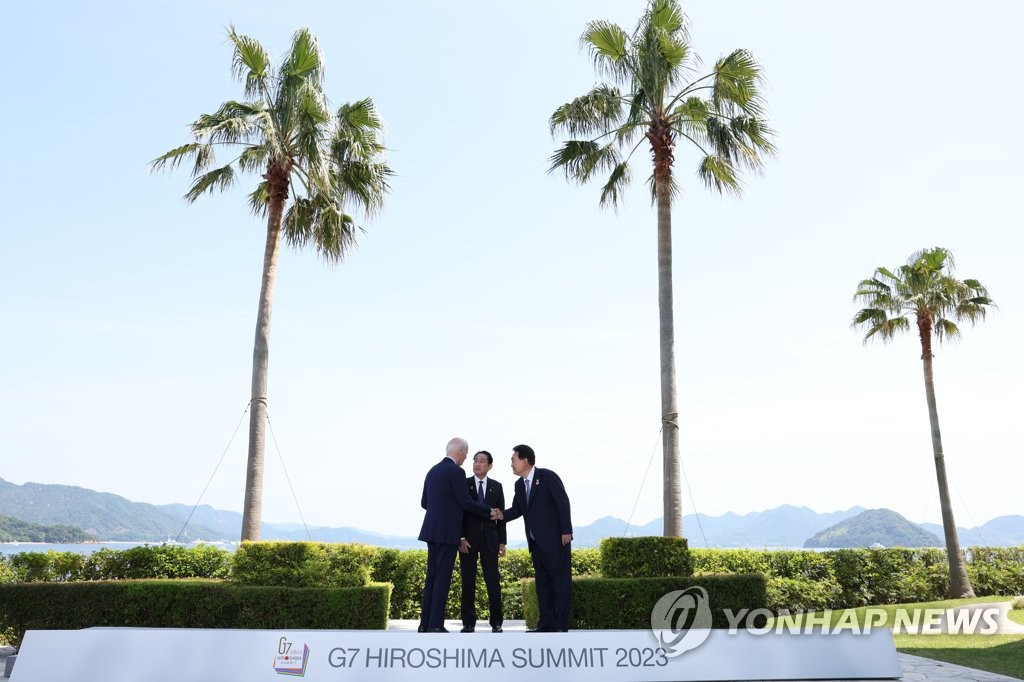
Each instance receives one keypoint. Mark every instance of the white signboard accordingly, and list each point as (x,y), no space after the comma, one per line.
(166,655)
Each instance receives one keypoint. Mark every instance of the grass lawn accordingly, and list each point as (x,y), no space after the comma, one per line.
(1002,654)
(1016,616)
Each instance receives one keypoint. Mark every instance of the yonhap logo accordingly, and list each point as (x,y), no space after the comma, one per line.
(681,620)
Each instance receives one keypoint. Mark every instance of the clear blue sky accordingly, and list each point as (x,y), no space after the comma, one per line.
(491,300)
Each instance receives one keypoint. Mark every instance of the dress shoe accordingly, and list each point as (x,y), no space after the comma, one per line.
(421,628)
(442,629)
(467,629)
(496,628)
(541,630)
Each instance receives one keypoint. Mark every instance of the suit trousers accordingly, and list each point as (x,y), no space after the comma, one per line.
(489,562)
(553,571)
(440,564)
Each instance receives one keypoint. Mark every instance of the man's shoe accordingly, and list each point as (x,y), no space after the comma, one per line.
(541,630)
(442,629)
(467,629)
(421,628)
(496,628)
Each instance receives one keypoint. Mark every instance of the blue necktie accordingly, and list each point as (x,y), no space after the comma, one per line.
(527,483)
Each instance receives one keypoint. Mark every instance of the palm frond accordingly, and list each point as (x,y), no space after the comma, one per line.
(580,159)
(253,158)
(259,199)
(365,183)
(219,179)
(200,152)
(595,113)
(946,329)
(304,59)
(737,84)
(233,122)
(320,221)
(250,63)
(608,45)
(718,173)
(618,179)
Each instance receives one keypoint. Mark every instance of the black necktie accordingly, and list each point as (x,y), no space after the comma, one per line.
(481,483)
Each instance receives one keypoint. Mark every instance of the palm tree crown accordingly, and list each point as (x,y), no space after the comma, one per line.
(925,288)
(286,130)
(651,97)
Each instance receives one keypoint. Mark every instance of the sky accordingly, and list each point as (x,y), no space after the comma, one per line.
(493,300)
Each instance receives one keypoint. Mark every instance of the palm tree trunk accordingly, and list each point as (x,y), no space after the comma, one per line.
(252,512)
(672,497)
(959,582)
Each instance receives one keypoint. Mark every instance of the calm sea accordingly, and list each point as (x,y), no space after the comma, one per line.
(86,548)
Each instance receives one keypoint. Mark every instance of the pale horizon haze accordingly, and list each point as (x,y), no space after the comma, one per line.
(493,300)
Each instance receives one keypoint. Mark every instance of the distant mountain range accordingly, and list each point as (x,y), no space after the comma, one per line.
(105,516)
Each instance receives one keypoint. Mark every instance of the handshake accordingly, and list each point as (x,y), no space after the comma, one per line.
(496,515)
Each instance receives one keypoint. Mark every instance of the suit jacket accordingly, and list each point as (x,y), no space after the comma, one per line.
(546,516)
(484,534)
(445,498)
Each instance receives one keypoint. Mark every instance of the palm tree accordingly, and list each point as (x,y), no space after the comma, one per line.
(325,160)
(654,95)
(926,289)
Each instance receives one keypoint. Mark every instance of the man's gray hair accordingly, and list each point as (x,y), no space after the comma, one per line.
(456,445)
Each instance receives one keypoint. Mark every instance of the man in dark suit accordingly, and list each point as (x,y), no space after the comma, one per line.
(541,500)
(445,498)
(484,539)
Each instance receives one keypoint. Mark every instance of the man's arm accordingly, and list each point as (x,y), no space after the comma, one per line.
(561,500)
(502,534)
(515,511)
(457,483)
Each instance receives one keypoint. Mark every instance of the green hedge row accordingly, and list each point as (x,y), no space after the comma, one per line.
(845,578)
(144,561)
(627,603)
(189,604)
(797,579)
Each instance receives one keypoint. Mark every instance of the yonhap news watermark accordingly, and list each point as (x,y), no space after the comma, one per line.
(682,619)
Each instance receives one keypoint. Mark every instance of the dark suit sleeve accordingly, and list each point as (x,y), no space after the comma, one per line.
(515,511)
(459,489)
(561,499)
(502,535)
(423,500)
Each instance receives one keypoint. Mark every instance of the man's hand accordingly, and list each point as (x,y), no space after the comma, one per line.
(464,546)
(501,551)
(496,515)
(566,539)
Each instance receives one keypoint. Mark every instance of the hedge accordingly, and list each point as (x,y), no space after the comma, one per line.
(847,578)
(144,561)
(797,579)
(645,557)
(626,603)
(189,604)
(303,564)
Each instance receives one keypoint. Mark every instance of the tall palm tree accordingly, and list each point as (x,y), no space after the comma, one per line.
(654,94)
(926,290)
(285,130)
